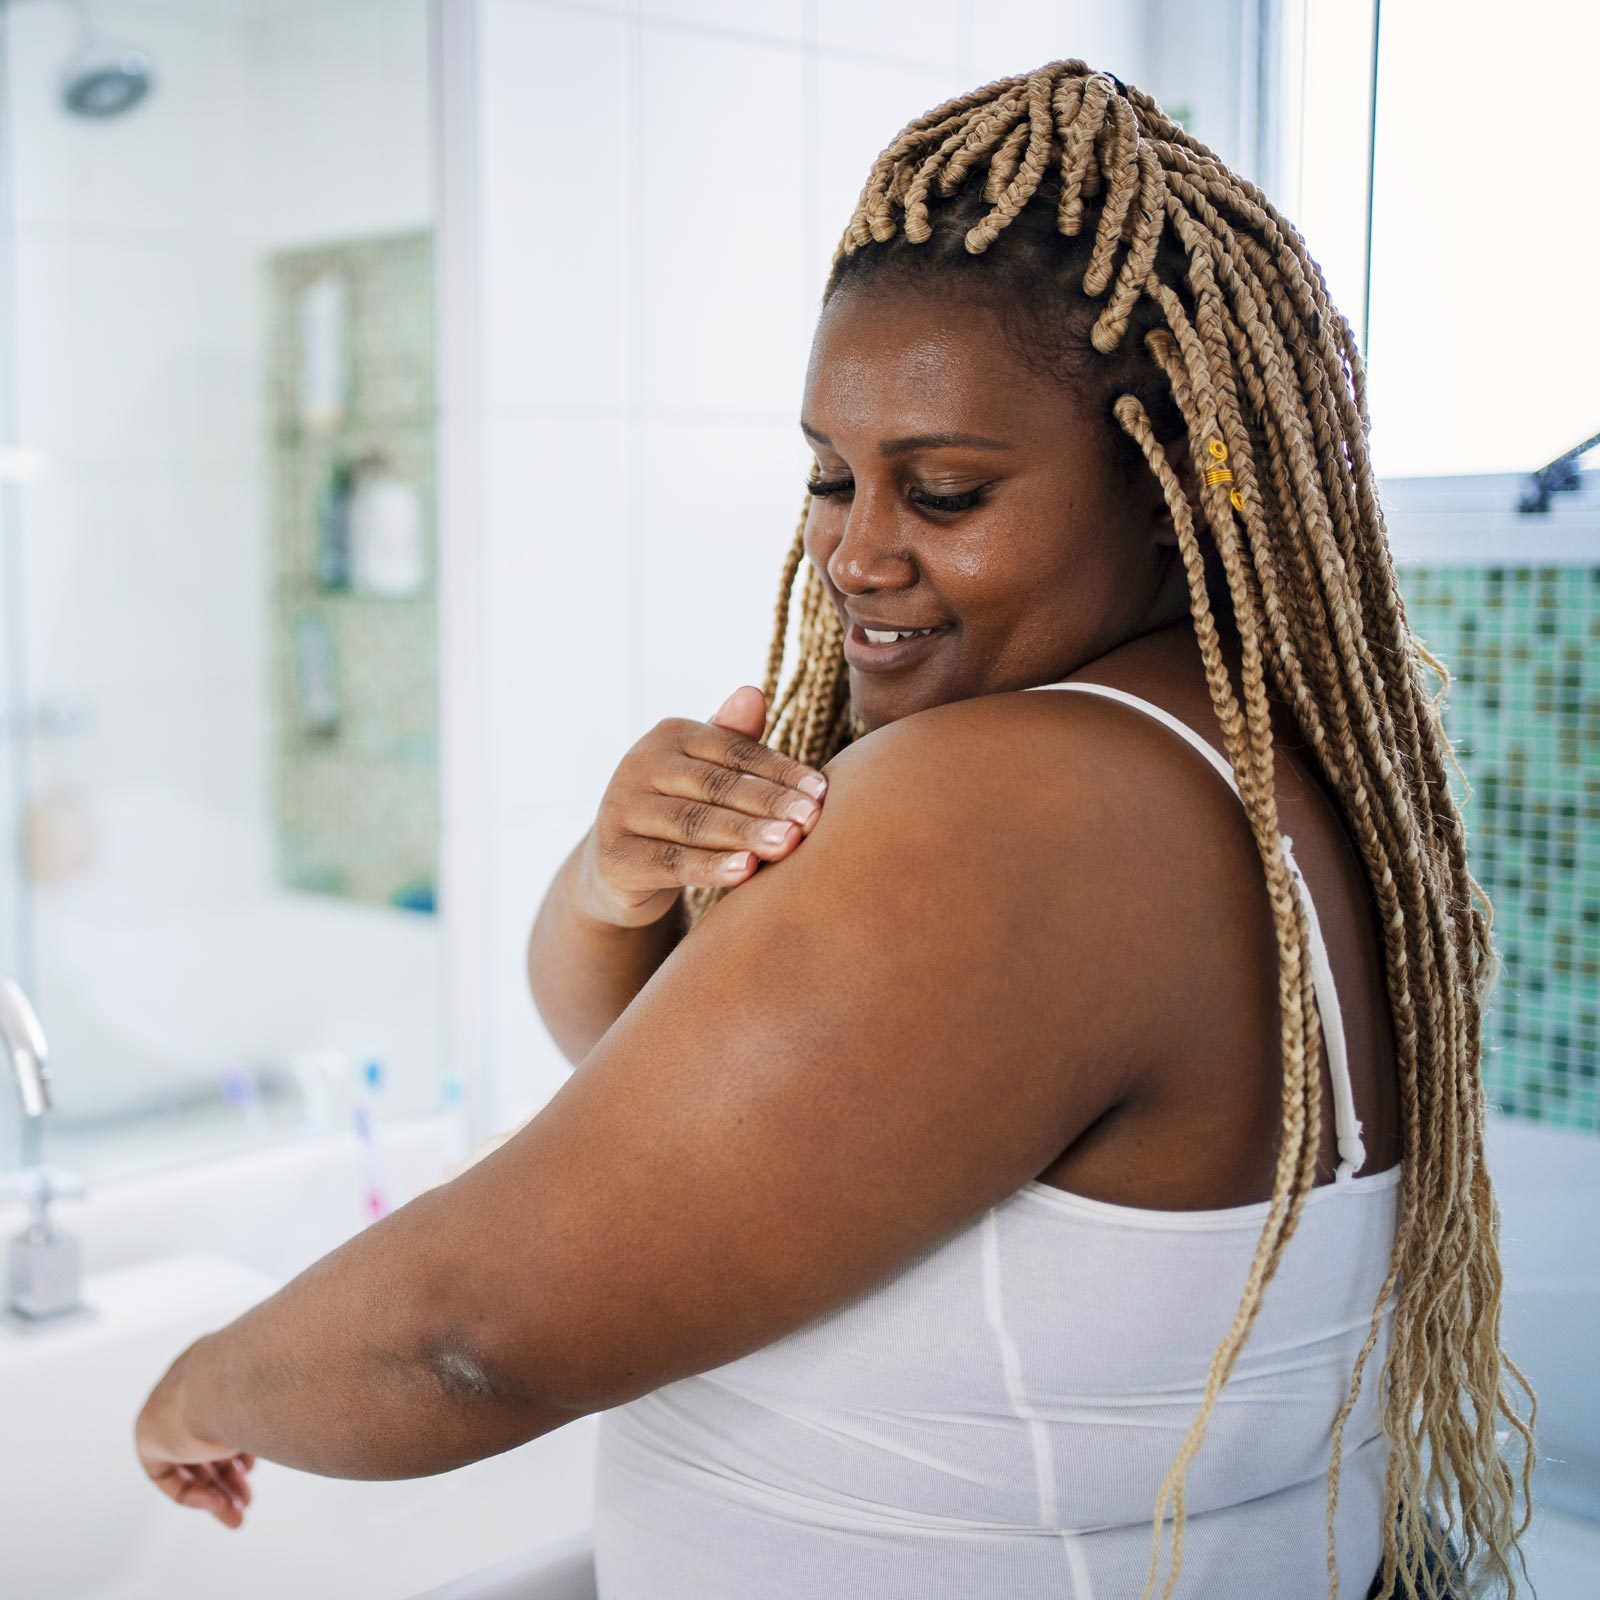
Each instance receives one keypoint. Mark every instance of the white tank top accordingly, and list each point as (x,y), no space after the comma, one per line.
(993,1422)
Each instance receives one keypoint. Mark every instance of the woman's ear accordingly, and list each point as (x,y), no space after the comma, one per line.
(1179,459)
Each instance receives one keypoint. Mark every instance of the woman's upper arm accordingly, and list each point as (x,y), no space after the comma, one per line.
(855,1053)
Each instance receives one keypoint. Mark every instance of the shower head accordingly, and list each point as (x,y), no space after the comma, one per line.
(103,79)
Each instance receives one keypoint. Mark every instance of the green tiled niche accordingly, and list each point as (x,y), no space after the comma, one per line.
(1523,648)
(355,802)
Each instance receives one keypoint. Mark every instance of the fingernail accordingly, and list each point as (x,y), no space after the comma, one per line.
(814,784)
(724,706)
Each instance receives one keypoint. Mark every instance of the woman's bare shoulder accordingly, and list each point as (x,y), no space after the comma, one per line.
(1021,759)
(1055,815)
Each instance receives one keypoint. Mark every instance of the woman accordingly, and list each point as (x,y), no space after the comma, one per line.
(957,1208)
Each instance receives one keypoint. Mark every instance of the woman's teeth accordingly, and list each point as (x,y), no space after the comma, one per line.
(875,637)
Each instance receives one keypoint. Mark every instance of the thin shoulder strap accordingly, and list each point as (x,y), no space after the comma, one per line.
(1352,1152)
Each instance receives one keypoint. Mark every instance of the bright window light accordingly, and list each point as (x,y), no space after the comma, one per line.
(1485,335)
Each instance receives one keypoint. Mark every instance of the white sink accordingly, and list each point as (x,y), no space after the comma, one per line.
(79,1520)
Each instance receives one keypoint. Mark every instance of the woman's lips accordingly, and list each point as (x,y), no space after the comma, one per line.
(860,653)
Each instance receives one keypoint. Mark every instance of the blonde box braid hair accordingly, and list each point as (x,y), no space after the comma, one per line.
(1216,328)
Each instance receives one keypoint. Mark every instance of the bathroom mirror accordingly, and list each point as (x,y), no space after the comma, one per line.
(218,707)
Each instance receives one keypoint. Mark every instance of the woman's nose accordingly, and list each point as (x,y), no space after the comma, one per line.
(870,553)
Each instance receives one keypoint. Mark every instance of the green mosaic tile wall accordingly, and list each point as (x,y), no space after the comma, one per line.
(1523,648)
(356,804)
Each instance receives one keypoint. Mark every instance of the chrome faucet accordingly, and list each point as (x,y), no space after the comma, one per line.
(25,1049)
(43,1266)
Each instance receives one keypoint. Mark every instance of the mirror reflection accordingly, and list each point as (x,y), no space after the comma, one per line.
(220,726)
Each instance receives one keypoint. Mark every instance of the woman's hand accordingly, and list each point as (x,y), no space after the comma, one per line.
(195,1472)
(694,803)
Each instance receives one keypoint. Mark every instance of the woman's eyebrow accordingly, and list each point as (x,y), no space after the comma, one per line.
(917,441)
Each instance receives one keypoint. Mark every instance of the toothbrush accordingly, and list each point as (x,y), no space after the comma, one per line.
(374,1202)
(239,1090)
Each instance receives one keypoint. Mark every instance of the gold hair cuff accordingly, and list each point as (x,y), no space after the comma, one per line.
(1218,452)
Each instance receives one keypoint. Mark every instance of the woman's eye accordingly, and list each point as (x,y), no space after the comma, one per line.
(947,502)
(920,497)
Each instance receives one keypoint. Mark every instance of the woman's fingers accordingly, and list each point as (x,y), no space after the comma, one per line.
(691,778)
(636,863)
(704,826)
(667,840)
(693,804)
(198,1486)
(723,747)
(231,1476)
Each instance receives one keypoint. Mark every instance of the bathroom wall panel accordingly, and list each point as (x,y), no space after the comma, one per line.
(528,1065)
(137,348)
(724,289)
(554,188)
(707,562)
(559,580)
(934,33)
(108,551)
(859,107)
(345,92)
(774,19)
(1026,33)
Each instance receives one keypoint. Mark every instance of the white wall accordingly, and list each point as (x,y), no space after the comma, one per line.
(341,144)
(1545,1180)
(640,202)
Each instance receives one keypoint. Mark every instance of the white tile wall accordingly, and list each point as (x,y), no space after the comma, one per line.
(863,105)
(720,218)
(136,347)
(1019,37)
(527,854)
(554,202)
(718,507)
(558,572)
(143,591)
(934,32)
(344,143)
(770,19)
(653,190)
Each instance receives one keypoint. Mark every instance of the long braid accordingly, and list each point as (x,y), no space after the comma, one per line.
(1156,275)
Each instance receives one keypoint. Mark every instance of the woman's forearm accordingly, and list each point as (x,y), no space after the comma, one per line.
(361,1366)
(584,973)
(356,1368)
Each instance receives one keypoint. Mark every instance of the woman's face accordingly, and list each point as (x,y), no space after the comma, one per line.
(961,492)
